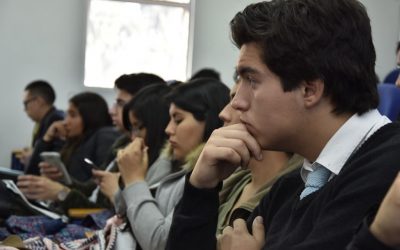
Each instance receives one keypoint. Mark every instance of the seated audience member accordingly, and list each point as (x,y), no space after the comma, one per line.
(308,86)
(393,75)
(193,114)
(381,231)
(206,73)
(127,86)
(242,191)
(87,133)
(39,98)
(141,123)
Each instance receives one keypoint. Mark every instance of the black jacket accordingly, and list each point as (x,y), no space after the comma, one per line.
(326,219)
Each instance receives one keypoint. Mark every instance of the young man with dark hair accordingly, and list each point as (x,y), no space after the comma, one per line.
(38,102)
(39,99)
(307,86)
(206,73)
(127,86)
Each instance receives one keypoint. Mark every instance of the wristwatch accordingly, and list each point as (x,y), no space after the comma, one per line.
(62,195)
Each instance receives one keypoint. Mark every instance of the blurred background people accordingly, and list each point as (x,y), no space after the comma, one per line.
(393,75)
(38,100)
(206,73)
(87,132)
(193,111)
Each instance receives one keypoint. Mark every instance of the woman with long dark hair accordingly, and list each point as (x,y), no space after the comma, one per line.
(193,111)
(86,132)
(139,118)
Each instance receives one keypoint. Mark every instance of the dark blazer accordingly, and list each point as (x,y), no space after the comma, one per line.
(51,116)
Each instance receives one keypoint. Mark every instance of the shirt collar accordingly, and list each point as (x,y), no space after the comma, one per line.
(350,136)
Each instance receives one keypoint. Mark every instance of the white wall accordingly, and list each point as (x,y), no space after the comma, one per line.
(212,43)
(41,39)
(45,39)
(385,22)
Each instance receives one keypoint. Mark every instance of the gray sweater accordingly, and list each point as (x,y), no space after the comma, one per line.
(150,216)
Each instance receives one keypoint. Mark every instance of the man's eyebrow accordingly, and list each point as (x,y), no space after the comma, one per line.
(246,70)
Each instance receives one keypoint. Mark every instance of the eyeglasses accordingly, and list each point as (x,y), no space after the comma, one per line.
(27,101)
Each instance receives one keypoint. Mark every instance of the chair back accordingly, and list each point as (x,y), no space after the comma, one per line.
(389,100)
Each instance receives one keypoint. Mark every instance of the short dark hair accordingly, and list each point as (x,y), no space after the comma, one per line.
(151,109)
(204,98)
(132,83)
(306,40)
(206,73)
(398,47)
(93,109)
(43,89)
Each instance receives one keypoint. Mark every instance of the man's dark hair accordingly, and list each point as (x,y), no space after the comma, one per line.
(43,89)
(306,40)
(132,83)
(206,73)
(398,47)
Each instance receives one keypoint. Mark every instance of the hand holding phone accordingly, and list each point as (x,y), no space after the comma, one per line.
(50,171)
(91,164)
(54,159)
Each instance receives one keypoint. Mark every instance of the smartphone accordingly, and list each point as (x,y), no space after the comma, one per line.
(54,159)
(90,164)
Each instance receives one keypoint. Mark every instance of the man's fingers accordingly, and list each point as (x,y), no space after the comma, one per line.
(239,131)
(225,154)
(240,225)
(227,230)
(258,230)
(238,145)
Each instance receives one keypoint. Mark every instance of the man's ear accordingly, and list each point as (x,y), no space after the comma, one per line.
(41,101)
(312,91)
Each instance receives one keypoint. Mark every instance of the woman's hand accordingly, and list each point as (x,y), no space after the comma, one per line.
(108,182)
(133,162)
(24,155)
(115,220)
(50,171)
(39,187)
(56,130)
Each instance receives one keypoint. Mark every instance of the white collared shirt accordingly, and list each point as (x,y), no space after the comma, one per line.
(350,136)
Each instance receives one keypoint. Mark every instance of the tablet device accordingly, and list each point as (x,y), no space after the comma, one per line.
(54,159)
(9,174)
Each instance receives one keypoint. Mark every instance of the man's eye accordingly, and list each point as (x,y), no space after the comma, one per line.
(250,80)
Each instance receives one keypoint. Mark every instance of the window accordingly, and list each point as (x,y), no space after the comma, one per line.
(128,36)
